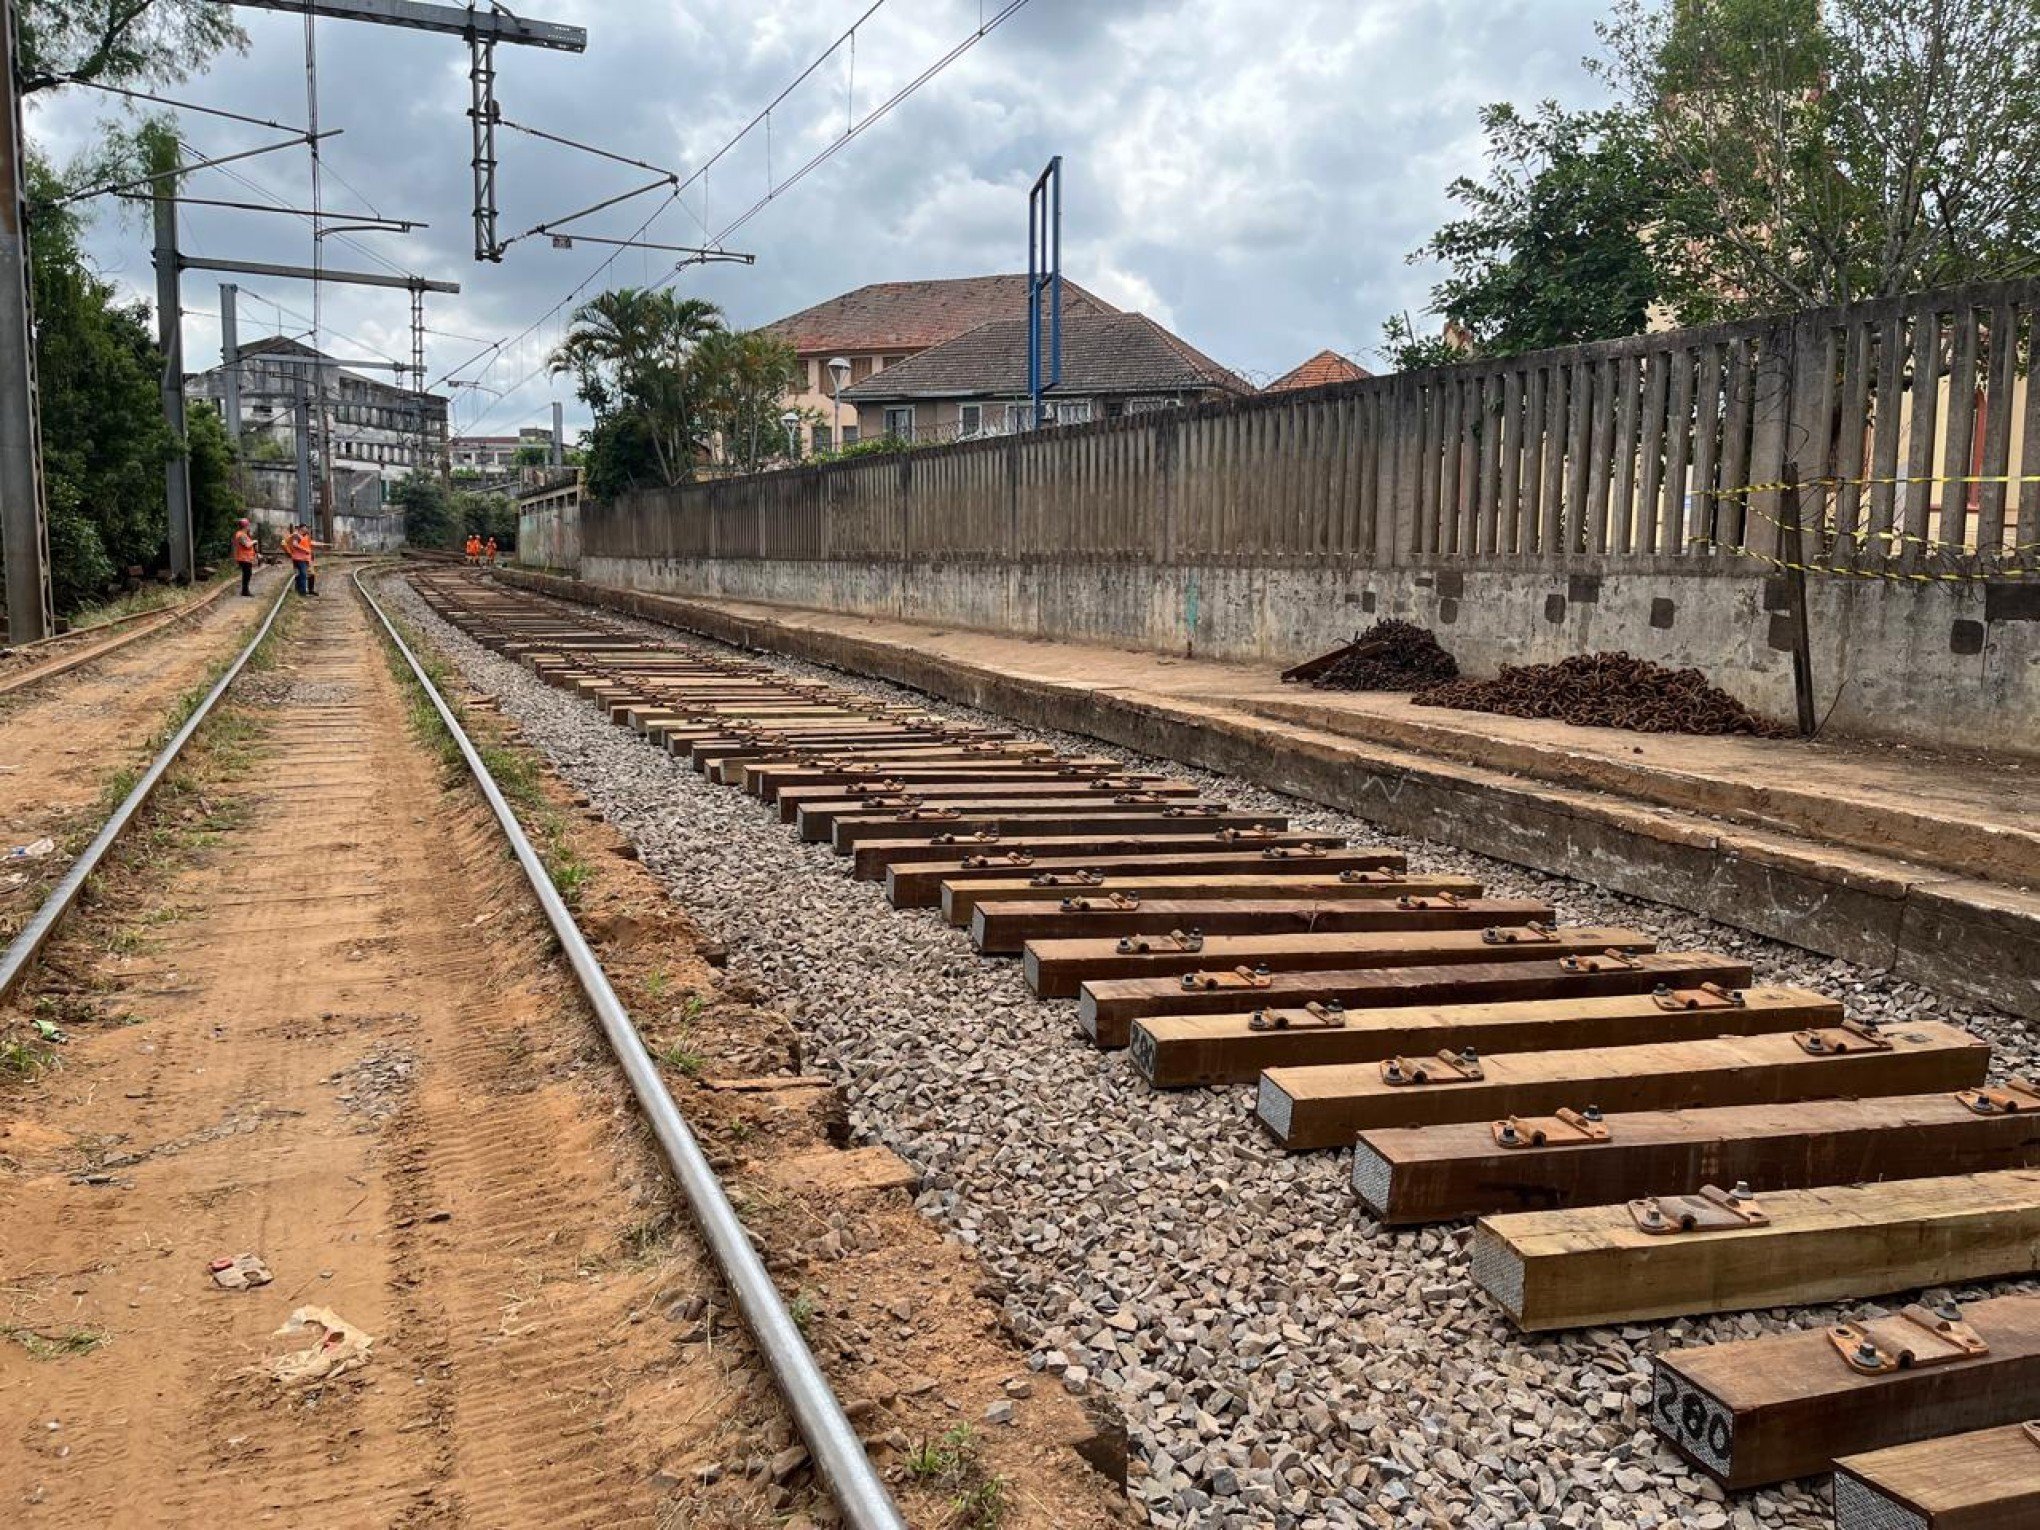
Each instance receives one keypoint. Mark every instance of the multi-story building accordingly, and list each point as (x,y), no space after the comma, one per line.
(976,385)
(376,431)
(881,325)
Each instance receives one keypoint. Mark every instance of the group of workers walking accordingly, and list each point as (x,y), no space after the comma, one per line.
(480,553)
(297,546)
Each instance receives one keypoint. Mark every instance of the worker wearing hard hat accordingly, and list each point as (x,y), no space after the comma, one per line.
(244,553)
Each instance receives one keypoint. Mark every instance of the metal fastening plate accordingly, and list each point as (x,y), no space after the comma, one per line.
(981,837)
(2007,1099)
(1606,961)
(1514,935)
(1848,1039)
(1065,878)
(1111,903)
(1238,977)
(930,815)
(1569,1128)
(1713,1209)
(1436,901)
(892,800)
(1706,996)
(1115,783)
(1915,1338)
(1293,853)
(1358,878)
(1194,810)
(1147,945)
(875,788)
(1234,836)
(1010,858)
(1142,799)
(1331,1017)
(1445,1068)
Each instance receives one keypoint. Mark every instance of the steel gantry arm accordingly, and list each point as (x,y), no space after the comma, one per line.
(484,28)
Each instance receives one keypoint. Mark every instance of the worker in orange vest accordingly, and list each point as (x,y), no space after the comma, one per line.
(474,549)
(244,553)
(489,552)
(306,544)
(297,546)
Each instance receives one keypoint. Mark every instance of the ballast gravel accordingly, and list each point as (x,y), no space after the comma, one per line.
(1279,1359)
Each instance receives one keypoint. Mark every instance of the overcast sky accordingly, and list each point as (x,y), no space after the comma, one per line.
(1250,173)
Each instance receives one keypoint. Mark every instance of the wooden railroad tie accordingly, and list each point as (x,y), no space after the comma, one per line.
(1603,1265)
(1167,836)
(1752,1412)
(1106,1009)
(1236,964)
(1006,929)
(1329,1106)
(1183,1051)
(771,781)
(1989,1480)
(815,807)
(1103,821)
(1479,1168)
(1217,873)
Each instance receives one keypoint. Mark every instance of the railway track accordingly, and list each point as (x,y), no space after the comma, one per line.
(1639,1133)
(330,737)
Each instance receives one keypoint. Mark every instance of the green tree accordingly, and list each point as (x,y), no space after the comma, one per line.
(429,518)
(145,42)
(1824,151)
(742,378)
(104,440)
(215,492)
(1555,246)
(629,352)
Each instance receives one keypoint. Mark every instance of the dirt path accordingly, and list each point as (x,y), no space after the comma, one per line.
(343,1068)
(62,742)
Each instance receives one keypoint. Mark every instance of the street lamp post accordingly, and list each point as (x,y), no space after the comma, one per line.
(839,373)
(791,420)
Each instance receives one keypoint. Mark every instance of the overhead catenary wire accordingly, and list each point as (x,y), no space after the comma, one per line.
(853,130)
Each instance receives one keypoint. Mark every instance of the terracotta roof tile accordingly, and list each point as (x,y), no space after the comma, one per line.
(1321,371)
(911,316)
(1102,353)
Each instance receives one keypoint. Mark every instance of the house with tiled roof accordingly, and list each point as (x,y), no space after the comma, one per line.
(1113,364)
(1321,371)
(882,325)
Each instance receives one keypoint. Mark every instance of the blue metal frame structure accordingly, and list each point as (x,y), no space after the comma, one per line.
(1044,272)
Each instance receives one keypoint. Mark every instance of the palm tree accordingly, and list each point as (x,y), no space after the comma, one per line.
(630,352)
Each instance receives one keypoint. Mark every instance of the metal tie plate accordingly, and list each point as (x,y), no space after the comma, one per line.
(1916,1337)
(1706,996)
(1712,1209)
(1510,935)
(1448,1067)
(1606,961)
(2007,1099)
(1569,1128)
(1238,977)
(1850,1038)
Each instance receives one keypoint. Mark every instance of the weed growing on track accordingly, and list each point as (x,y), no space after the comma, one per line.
(44,1346)
(516,777)
(679,1054)
(802,1310)
(23,1061)
(952,1461)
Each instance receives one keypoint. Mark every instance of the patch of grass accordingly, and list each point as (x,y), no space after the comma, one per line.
(802,1310)
(54,1346)
(679,1055)
(982,1507)
(648,1238)
(23,1061)
(656,983)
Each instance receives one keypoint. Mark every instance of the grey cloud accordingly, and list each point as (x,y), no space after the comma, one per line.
(1255,170)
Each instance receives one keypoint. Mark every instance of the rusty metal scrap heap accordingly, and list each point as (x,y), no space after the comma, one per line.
(1605,690)
(1390,656)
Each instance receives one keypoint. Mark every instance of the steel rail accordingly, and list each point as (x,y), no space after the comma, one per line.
(838,1453)
(15,960)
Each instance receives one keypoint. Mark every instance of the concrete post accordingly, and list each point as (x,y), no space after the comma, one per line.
(301,430)
(230,359)
(24,515)
(170,335)
(559,434)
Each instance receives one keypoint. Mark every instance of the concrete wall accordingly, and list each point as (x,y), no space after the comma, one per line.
(548,536)
(1953,664)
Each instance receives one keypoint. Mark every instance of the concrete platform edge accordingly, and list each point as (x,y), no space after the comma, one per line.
(1946,932)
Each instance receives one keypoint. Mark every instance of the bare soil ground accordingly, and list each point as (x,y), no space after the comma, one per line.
(313,1016)
(64,741)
